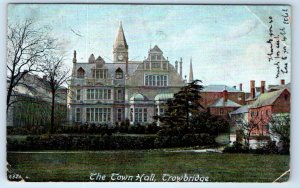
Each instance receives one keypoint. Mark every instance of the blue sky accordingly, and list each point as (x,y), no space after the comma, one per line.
(227,43)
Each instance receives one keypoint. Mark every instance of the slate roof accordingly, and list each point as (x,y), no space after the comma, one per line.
(112,67)
(278,87)
(219,88)
(36,87)
(257,93)
(220,103)
(241,110)
(267,99)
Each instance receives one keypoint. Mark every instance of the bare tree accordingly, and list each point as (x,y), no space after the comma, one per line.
(57,74)
(26,46)
(248,127)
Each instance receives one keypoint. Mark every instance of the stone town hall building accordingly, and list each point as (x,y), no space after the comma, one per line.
(110,92)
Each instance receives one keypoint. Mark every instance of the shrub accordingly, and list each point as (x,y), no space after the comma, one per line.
(235,148)
(269,148)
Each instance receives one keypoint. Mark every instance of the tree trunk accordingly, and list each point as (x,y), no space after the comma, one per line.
(9,92)
(52,112)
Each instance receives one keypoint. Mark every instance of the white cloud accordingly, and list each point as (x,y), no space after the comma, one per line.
(240,30)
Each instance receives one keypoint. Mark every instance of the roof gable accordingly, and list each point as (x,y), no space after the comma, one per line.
(243,109)
(267,99)
(221,103)
(156,49)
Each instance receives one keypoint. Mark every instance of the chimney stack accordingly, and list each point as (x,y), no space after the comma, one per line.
(225,95)
(252,88)
(282,82)
(74,57)
(241,87)
(262,86)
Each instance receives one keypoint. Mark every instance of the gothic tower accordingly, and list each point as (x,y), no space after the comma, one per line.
(120,50)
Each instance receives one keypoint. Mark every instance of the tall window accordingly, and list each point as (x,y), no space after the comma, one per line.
(120,95)
(145,115)
(100,73)
(78,94)
(156,80)
(119,114)
(140,115)
(78,115)
(119,73)
(98,114)
(131,114)
(95,94)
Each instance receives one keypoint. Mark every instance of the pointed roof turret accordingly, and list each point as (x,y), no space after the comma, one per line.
(92,58)
(120,40)
(191,75)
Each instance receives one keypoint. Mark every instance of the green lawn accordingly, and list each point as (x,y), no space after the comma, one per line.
(74,166)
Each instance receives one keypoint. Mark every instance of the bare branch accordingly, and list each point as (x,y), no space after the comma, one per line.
(27,45)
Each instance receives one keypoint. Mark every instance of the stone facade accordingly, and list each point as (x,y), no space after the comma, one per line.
(110,92)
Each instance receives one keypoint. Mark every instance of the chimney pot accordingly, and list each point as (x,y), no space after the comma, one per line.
(241,87)
(262,87)
(225,95)
(252,87)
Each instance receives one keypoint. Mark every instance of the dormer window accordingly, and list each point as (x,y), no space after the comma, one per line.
(80,73)
(119,73)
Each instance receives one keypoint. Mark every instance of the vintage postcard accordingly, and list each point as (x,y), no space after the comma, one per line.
(148,93)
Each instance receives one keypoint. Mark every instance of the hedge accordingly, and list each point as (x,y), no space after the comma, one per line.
(105,142)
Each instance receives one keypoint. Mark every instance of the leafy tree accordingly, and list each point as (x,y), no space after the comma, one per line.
(204,122)
(280,130)
(183,107)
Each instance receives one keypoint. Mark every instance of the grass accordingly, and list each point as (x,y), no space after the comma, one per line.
(72,166)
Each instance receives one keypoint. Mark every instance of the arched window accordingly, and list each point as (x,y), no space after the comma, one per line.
(80,73)
(119,73)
